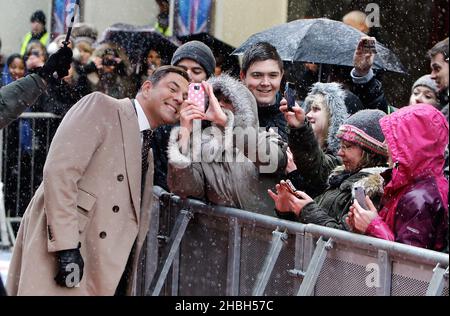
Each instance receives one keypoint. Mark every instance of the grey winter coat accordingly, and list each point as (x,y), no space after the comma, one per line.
(17,96)
(215,179)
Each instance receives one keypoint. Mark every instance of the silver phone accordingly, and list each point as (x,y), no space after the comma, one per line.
(359,194)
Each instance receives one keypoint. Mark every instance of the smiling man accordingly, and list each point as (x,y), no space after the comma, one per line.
(84,229)
(262,72)
(439,71)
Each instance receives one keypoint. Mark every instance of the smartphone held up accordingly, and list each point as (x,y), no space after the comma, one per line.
(290,94)
(359,194)
(197,95)
(369,46)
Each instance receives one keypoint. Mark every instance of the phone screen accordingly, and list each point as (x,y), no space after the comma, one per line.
(369,46)
(290,94)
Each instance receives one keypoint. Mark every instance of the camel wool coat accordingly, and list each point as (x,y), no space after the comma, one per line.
(90,194)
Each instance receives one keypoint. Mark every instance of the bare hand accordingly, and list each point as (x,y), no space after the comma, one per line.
(294,119)
(214,113)
(300,202)
(361,217)
(281,198)
(189,112)
(285,201)
(98,61)
(291,166)
(350,220)
(363,60)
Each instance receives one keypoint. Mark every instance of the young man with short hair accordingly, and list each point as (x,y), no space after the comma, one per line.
(262,72)
(439,71)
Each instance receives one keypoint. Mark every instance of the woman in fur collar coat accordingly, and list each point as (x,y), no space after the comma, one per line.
(222,163)
(361,151)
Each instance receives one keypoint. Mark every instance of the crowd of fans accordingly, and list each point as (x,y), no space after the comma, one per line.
(340,136)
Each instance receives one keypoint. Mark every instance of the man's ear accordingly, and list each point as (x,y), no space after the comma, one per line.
(146,88)
(242,75)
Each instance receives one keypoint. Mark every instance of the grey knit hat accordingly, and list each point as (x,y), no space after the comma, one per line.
(198,52)
(363,128)
(426,81)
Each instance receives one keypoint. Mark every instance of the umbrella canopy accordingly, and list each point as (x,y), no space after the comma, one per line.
(320,41)
(138,40)
(219,48)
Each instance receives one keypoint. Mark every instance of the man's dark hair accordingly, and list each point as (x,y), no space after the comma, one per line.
(163,71)
(260,51)
(439,48)
(38,16)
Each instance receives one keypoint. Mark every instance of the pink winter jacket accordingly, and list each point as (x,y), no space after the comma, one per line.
(415,200)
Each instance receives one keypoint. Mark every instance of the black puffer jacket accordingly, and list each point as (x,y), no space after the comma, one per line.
(371,95)
(271,117)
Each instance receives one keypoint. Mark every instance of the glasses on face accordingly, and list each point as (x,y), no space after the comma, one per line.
(347,147)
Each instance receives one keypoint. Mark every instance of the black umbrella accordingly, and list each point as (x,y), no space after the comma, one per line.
(320,41)
(219,48)
(138,40)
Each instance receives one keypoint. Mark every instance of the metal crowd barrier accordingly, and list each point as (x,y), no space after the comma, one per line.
(21,167)
(194,249)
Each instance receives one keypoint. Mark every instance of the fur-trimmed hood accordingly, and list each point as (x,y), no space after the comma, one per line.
(373,183)
(245,107)
(244,115)
(335,99)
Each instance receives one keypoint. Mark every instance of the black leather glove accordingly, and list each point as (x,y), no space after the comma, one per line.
(59,62)
(70,267)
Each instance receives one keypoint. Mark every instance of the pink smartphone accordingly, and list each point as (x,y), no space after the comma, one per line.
(196,94)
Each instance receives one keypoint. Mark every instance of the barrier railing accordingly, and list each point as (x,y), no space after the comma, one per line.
(196,249)
(24,145)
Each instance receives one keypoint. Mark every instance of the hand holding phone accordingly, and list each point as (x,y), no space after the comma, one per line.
(196,94)
(291,188)
(290,94)
(359,194)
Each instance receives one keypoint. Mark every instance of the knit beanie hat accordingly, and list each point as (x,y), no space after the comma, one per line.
(38,16)
(363,129)
(198,52)
(426,81)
